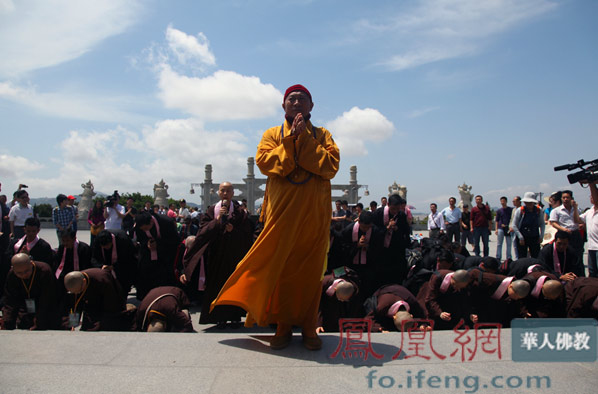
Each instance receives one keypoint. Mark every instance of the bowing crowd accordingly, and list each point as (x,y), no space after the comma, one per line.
(376,268)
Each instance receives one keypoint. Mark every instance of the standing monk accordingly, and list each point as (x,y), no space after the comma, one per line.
(225,235)
(278,281)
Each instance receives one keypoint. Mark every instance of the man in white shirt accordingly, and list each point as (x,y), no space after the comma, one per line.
(590,218)
(19,212)
(452,220)
(113,213)
(566,218)
(184,213)
(435,222)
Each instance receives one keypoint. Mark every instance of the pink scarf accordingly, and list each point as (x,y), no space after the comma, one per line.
(75,259)
(557,261)
(153,252)
(332,288)
(538,287)
(30,245)
(502,288)
(388,235)
(219,205)
(446,282)
(530,269)
(201,283)
(360,255)
(394,308)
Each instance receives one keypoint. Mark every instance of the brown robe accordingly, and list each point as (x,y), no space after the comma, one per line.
(168,302)
(43,291)
(581,295)
(101,305)
(457,303)
(541,307)
(489,310)
(222,251)
(331,309)
(384,298)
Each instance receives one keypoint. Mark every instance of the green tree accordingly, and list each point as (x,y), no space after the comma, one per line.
(43,210)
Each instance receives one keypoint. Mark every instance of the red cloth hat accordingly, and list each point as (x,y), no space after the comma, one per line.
(296,88)
(70,197)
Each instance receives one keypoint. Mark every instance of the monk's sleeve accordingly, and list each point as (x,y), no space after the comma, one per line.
(432,306)
(46,310)
(10,309)
(318,158)
(273,157)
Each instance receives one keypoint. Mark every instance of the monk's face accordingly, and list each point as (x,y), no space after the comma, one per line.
(31,232)
(23,271)
(365,227)
(561,244)
(225,191)
(394,209)
(68,242)
(297,103)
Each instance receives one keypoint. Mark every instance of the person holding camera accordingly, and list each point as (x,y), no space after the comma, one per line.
(113,212)
(566,218)
(591,221)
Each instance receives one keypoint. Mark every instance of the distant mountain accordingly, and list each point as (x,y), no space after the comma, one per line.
(52,200)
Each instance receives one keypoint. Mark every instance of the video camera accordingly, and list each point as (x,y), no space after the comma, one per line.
(588,173)
(111,200)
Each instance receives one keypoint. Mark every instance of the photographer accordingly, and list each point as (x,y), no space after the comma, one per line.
(591,222)
(113,212)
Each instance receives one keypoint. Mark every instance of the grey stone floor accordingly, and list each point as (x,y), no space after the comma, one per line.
(242,362)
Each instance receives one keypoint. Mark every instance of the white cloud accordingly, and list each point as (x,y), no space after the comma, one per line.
(187,48)
(6,6)
(73,105)
(15,167)
(36,34)
(175,150)
(435,30)
(220,96)
(353,128)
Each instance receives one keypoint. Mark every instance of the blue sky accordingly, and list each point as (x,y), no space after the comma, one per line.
(428,93)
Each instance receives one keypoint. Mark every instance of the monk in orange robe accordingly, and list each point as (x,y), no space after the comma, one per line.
(278,281)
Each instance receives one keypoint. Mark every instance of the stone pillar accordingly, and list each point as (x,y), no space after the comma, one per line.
(207,189)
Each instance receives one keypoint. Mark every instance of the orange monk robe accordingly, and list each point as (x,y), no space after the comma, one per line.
(279,278)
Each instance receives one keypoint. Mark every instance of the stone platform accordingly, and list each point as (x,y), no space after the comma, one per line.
(240,361)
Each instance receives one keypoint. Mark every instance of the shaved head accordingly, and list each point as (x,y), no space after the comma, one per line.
(520,289)
(156,325)
(75,282)
(552,289)
(461,276)
(460,279)
(189,241)
(22,265)
(20,260)
(344,291)
(403,320)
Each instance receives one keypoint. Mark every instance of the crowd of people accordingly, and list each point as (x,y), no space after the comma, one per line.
(375,269)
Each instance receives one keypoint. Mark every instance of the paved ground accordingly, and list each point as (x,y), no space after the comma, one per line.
(240,361)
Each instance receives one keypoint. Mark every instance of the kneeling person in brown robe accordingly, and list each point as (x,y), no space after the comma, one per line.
(30,295)
(166,305)
(95,302)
